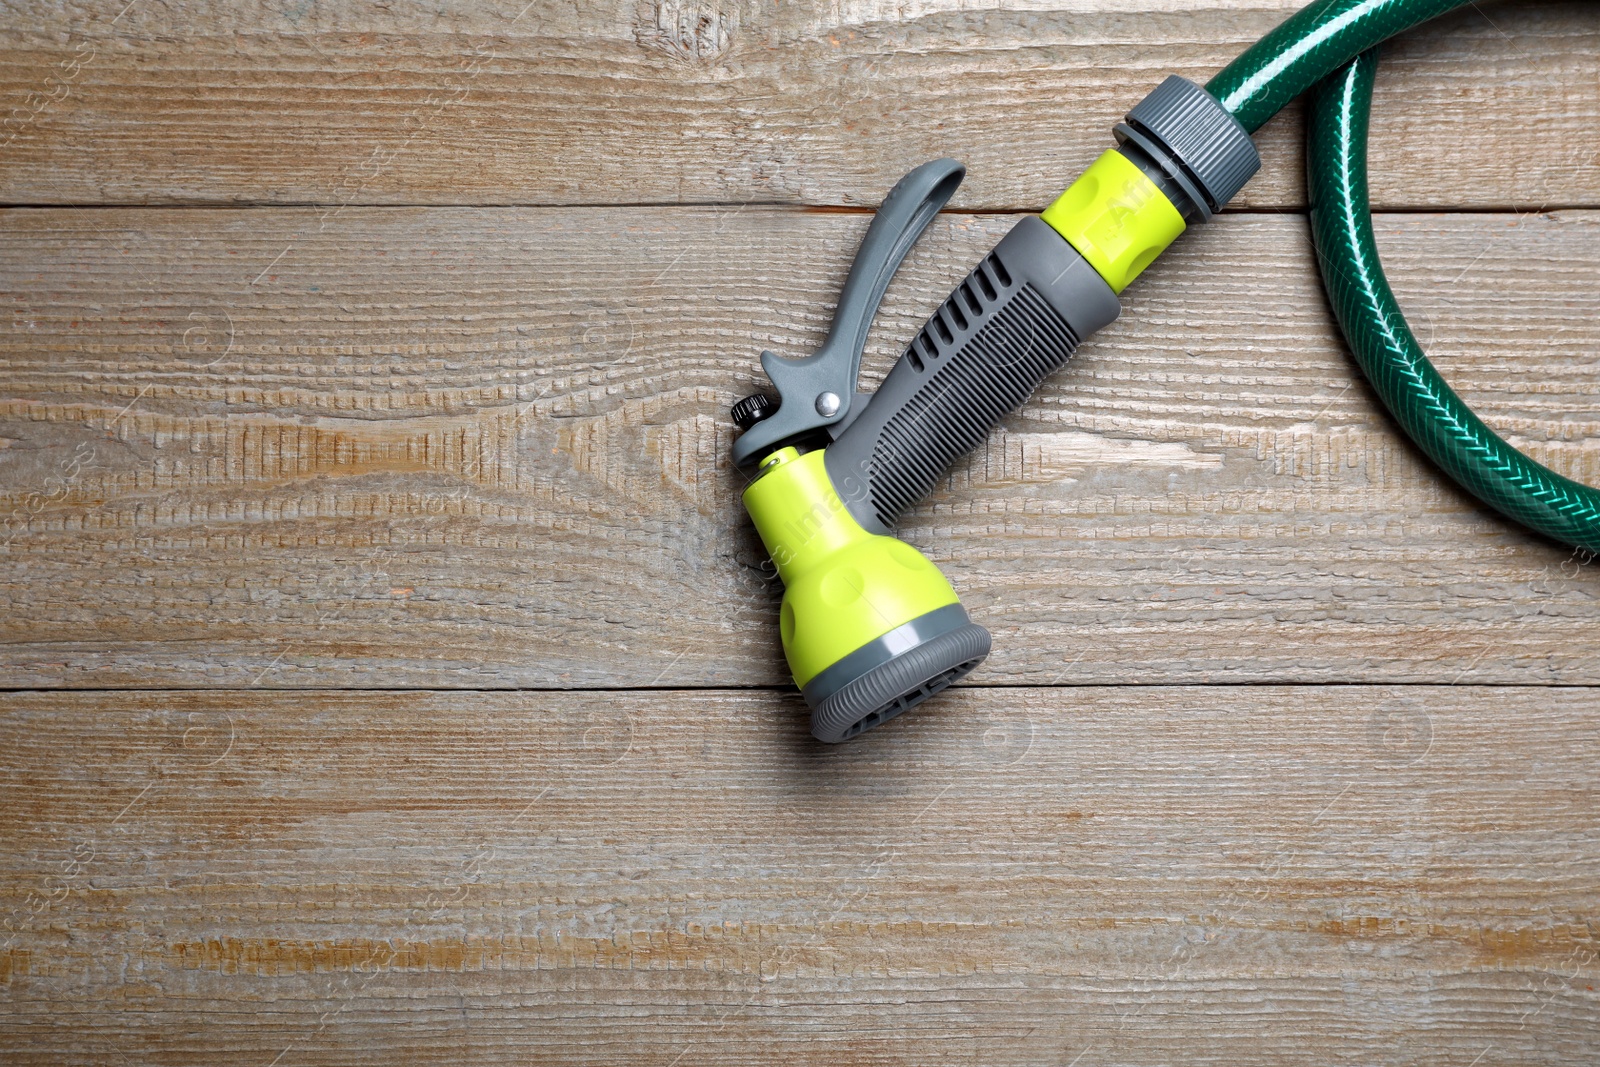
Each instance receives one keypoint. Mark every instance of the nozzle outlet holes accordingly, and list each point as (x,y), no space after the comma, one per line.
(910,699)
(881,680)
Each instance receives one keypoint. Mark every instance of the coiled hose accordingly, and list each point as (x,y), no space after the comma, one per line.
(1329,47)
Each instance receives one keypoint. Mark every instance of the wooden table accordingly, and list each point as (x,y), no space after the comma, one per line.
(392,676)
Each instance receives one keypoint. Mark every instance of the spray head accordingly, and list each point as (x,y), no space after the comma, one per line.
(870,627)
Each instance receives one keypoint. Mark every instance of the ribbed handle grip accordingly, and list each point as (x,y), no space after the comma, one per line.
(1016,317)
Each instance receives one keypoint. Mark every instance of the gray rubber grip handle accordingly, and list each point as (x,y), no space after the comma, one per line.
(833,368)
(1016,317)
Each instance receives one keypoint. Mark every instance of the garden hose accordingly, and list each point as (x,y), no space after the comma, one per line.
(869,626)
(1314,49)
(1373,324)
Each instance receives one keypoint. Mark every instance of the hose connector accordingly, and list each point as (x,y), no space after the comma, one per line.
(1186,142)
(1180,158)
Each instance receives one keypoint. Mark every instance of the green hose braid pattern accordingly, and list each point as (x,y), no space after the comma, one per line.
(1429,410)
(1332,42)
(1313,43)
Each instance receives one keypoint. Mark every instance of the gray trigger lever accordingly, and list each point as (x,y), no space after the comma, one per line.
(817,393)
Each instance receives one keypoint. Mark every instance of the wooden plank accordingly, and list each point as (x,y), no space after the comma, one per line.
(344,103)
(1218,875)
(487,448)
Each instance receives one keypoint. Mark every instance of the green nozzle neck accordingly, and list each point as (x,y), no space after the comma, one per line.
(800,516)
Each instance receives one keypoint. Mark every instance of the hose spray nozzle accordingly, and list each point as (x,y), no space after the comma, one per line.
(870,627)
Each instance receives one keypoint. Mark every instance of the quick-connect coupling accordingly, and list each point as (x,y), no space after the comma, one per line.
(1180,157)
(1187,143)
(1117,219)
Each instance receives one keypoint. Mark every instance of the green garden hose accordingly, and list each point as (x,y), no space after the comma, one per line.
(1331,46)
(1310,45)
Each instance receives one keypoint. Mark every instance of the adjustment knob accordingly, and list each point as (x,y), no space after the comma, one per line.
(753,408)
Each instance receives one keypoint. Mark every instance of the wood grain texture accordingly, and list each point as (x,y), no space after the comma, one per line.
(253,451)
(733,101)
(446,447)
(1218,875)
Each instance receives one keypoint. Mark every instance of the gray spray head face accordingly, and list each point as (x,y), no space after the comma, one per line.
(895,673)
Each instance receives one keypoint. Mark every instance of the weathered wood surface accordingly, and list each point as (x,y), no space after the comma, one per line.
(511,102)
(476,447)
(1214,875)
(488,448)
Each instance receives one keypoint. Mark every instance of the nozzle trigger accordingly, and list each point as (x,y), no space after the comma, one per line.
(833,368)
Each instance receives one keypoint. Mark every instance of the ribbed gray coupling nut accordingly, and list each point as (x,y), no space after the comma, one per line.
(1200,134)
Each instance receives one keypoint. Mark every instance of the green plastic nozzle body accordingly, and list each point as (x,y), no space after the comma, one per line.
(843,587)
